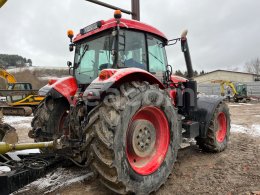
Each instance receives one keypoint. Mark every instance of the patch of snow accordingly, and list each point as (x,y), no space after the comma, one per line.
(51,77)
(19,122)
(4,169)
(253,131)
(29,151)
(234,105)
(257,115)
(33,68)
(246,104)
(59,178)
(256,129)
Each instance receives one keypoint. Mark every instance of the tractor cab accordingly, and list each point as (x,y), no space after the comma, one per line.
(18,92)
(241,89)
(113,45)
(19,86)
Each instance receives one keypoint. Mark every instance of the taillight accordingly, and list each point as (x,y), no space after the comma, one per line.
(51,81)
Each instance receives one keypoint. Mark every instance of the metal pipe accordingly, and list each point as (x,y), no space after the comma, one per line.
(110,6)
(186,52)
(4,147)
(136,10)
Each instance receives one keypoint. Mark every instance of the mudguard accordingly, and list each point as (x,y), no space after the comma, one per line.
(206,106)
(57,88)
(112,78)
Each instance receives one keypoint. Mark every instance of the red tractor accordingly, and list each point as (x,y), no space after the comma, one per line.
(123,113)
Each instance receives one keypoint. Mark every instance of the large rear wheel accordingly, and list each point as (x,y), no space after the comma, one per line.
(133,139)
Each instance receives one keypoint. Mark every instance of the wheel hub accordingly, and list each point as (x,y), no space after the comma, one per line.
(143,137)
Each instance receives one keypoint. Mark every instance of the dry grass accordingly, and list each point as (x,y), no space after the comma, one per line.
(33,76)
(29,77)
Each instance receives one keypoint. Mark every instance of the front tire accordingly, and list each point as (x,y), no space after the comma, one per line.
(118,158)
(50,117)
(218,132)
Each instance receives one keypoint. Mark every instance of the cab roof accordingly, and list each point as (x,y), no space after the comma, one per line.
(124,23)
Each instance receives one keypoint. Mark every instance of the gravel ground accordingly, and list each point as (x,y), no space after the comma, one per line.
(234,171)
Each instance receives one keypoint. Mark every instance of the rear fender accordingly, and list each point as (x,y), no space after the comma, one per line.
(112,78)
(206,106)
(58,88)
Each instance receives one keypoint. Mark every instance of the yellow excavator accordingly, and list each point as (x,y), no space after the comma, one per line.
(239,90)
(2,2)
(21,99)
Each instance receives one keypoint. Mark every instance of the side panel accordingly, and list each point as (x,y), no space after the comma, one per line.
(116,78)
(177,79)
(66,87)
(206,106)
(131,73)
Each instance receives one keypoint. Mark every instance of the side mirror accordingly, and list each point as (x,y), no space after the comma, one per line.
(69,64)
(71,47)
(168,74)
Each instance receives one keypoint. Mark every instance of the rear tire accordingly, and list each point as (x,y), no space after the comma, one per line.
(108,138)
(218,132)
(50,117)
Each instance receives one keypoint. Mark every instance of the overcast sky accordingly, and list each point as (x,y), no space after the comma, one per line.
(223,34)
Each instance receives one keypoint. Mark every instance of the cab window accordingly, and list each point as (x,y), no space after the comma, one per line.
(156,54)
(133,51)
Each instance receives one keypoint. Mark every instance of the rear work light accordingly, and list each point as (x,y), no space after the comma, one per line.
(106,74)
(52,81)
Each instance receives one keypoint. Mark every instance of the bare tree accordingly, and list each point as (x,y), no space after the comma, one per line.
(253,66)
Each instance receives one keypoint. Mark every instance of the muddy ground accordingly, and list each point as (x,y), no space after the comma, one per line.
(234,171)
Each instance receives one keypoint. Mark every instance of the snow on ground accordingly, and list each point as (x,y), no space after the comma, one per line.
(253,131)
(51,77)
(59,178)
(234,105)
(32,68)
(246,104)
(19,122)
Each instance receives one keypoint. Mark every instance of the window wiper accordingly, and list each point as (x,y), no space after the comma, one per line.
(82,55)
(155,57)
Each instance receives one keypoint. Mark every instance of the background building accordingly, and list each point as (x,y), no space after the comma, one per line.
(226,75)
(206,86)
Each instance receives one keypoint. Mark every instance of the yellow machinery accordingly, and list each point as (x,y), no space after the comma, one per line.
(239,90)
(7,76)
(2,2)
(5,147)
(21,99)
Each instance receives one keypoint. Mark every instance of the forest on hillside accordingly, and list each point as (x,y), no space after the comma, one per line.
(7,61)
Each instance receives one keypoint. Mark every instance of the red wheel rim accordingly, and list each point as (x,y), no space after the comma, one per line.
(222,127)
(154,125)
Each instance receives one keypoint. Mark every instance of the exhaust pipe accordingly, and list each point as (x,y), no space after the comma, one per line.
(186,52)
(190,94)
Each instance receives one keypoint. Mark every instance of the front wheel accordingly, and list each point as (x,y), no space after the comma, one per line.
(218,132)
(134,139)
